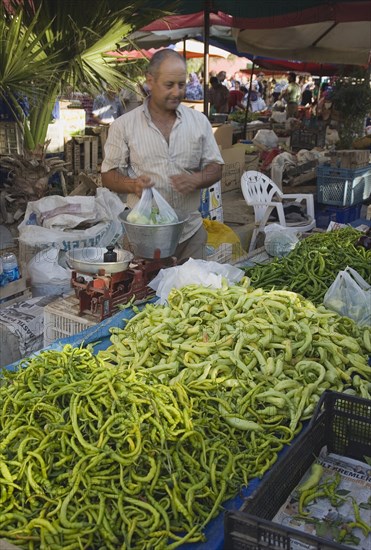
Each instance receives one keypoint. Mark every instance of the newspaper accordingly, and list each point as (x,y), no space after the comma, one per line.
(26,321)
(334,523)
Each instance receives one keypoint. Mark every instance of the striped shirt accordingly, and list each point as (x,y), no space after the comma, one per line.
(136,147)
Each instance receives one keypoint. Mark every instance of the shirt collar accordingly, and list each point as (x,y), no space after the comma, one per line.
(147,114)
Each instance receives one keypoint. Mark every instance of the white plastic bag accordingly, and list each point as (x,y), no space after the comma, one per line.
(267,139)
(350,296)
(279,240)
(152,209)
(57,221)
(44,268)
(199,272)
(47,276)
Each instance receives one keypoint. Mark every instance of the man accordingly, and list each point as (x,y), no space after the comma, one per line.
(292,94)
(107,107)
(260,84)
(236,96)
(165,144)
(222,78)
(218,97)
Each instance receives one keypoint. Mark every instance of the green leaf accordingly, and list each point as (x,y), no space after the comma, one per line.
(63,43)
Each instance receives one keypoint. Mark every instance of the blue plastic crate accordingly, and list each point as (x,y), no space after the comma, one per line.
(341,214)
(341,186)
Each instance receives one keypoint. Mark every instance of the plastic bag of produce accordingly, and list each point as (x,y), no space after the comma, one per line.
(152,209)
(350,296)
(279,240)
(196,272)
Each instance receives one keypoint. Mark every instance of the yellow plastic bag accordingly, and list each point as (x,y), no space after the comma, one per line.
(218,233)
(223,244)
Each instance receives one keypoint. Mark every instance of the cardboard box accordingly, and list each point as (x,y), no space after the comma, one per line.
(223,135)
(211,198)
(216,214)
(350,158)
(234,167)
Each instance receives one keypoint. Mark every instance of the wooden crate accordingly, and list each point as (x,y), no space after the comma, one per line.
(11,138)
(81,153)
(14,292)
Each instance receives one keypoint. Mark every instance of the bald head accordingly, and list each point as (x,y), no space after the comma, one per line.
(161,56)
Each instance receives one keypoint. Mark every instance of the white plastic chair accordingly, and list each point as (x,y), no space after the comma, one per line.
(264,195)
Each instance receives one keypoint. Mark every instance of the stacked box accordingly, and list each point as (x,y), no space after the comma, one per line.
(341,186)
(11,138)
(216,214)
(350,158)
(211,199)
(81,154)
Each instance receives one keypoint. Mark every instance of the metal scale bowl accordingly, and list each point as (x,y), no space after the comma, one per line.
(90,260)
(102,286)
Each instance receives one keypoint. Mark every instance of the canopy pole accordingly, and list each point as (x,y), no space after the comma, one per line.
(248,98)
(185,47)
(207,9)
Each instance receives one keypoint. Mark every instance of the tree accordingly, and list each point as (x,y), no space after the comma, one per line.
(351,98)
(51,44)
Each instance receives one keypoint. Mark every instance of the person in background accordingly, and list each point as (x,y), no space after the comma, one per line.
(235,99)
(164,144)
(222,78)
(194,89)
(261,86)
(130,98)
(218,97)
(257,103)
(292,94)
(324,105)
(307,92)
(107,107)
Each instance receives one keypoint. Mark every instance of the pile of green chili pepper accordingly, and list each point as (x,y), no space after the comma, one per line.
(138,446)
(271,353)
(312,266)
(101,457)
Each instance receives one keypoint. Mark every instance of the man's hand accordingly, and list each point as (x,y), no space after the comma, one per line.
(119,183)
(140,183)
(185,183)
(191,181)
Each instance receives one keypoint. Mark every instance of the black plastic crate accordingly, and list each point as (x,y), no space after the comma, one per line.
(306,139)
(341,422)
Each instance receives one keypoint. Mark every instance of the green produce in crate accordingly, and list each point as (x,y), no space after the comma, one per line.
(312,266)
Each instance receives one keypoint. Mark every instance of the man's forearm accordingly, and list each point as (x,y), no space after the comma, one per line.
(209,175)
(118,182)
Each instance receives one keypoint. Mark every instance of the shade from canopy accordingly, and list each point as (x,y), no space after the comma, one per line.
(332,33)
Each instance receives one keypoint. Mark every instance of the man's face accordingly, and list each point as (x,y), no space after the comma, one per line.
(167,86)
